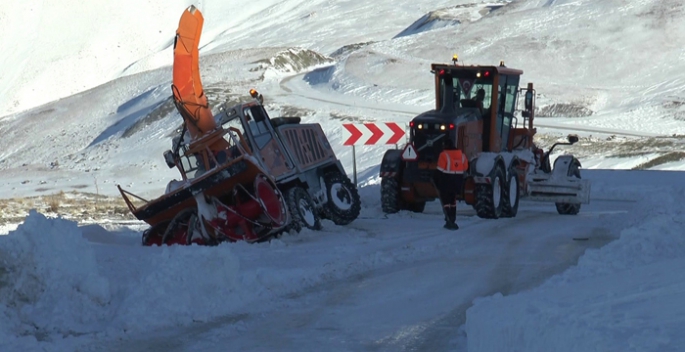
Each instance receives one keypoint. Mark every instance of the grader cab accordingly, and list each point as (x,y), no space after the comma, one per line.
(476,112)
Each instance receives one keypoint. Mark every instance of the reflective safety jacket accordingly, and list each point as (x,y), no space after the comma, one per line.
(452,162)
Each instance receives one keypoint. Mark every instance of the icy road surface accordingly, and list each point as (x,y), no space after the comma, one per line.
(396,284)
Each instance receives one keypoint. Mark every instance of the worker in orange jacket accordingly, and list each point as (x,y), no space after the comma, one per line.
(449,180)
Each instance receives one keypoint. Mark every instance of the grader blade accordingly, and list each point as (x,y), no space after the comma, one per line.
(560,190)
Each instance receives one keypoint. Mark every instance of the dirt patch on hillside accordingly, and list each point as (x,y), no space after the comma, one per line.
(77,206)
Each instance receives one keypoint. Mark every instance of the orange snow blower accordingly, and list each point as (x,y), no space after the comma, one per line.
(224,194)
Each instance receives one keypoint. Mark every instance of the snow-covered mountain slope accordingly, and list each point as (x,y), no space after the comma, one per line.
(61,48)
(611,66)
(84,105)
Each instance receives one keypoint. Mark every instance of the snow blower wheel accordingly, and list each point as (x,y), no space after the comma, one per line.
(343,204)
(302,210)
(178,230)
(271,201)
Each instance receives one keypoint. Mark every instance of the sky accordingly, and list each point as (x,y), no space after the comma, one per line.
(82,107)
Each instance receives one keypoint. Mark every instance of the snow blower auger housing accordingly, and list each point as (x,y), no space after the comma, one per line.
(244,176)
(223,196)
(476,112)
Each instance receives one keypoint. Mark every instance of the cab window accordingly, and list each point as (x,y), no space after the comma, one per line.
(465,86)
(256,122)
(508,89)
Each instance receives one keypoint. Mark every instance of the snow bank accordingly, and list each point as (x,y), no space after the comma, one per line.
(49,282)
(184,284)
(625,296)
(54,284)
(62,286)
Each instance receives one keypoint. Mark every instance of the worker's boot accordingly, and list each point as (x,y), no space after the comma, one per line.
(451,218)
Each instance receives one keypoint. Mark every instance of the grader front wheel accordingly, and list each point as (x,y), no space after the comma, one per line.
(570,208)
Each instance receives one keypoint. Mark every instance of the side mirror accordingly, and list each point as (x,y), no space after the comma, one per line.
(169,158)
(525,113)
(572,138)
(529,100)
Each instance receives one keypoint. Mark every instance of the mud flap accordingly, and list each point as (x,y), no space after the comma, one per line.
(392,163)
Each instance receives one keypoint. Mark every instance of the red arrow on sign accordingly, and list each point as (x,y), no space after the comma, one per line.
(398,133)
(372,133)
(355,134)
(376,133)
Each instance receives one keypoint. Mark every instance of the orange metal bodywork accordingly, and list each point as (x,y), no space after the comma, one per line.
(471,138)
(187,84)
(183,201)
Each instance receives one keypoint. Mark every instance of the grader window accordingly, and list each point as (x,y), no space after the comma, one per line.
(470,89)
(508,90)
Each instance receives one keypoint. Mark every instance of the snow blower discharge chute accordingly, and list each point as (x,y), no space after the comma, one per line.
(224,194)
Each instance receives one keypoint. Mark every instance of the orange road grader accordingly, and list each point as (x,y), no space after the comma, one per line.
(475,112)
(244,176)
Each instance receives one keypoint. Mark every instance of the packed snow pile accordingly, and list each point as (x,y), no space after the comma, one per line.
(64,285)
(54,284)
(49,281)
(622,297)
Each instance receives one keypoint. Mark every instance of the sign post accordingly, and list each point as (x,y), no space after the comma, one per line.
(377,133)
(354,165)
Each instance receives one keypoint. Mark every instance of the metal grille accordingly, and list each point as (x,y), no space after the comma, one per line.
(428,145)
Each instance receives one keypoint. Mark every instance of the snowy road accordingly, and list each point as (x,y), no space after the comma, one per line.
(382,306)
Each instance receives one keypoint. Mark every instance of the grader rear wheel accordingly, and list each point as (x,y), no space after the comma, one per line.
(489,202)
(510,196)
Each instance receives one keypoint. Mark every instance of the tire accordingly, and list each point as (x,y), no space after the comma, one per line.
(343,204)
(302,210)
(510,196)
(489,202)
(390,195)
(570,208)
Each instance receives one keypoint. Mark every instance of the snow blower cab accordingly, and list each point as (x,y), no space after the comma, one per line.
(302,161)
(477,112)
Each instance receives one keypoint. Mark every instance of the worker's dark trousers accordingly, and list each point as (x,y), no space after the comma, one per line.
(449,185)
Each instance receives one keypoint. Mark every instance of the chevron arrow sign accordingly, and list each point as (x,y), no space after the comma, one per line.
(372,133)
